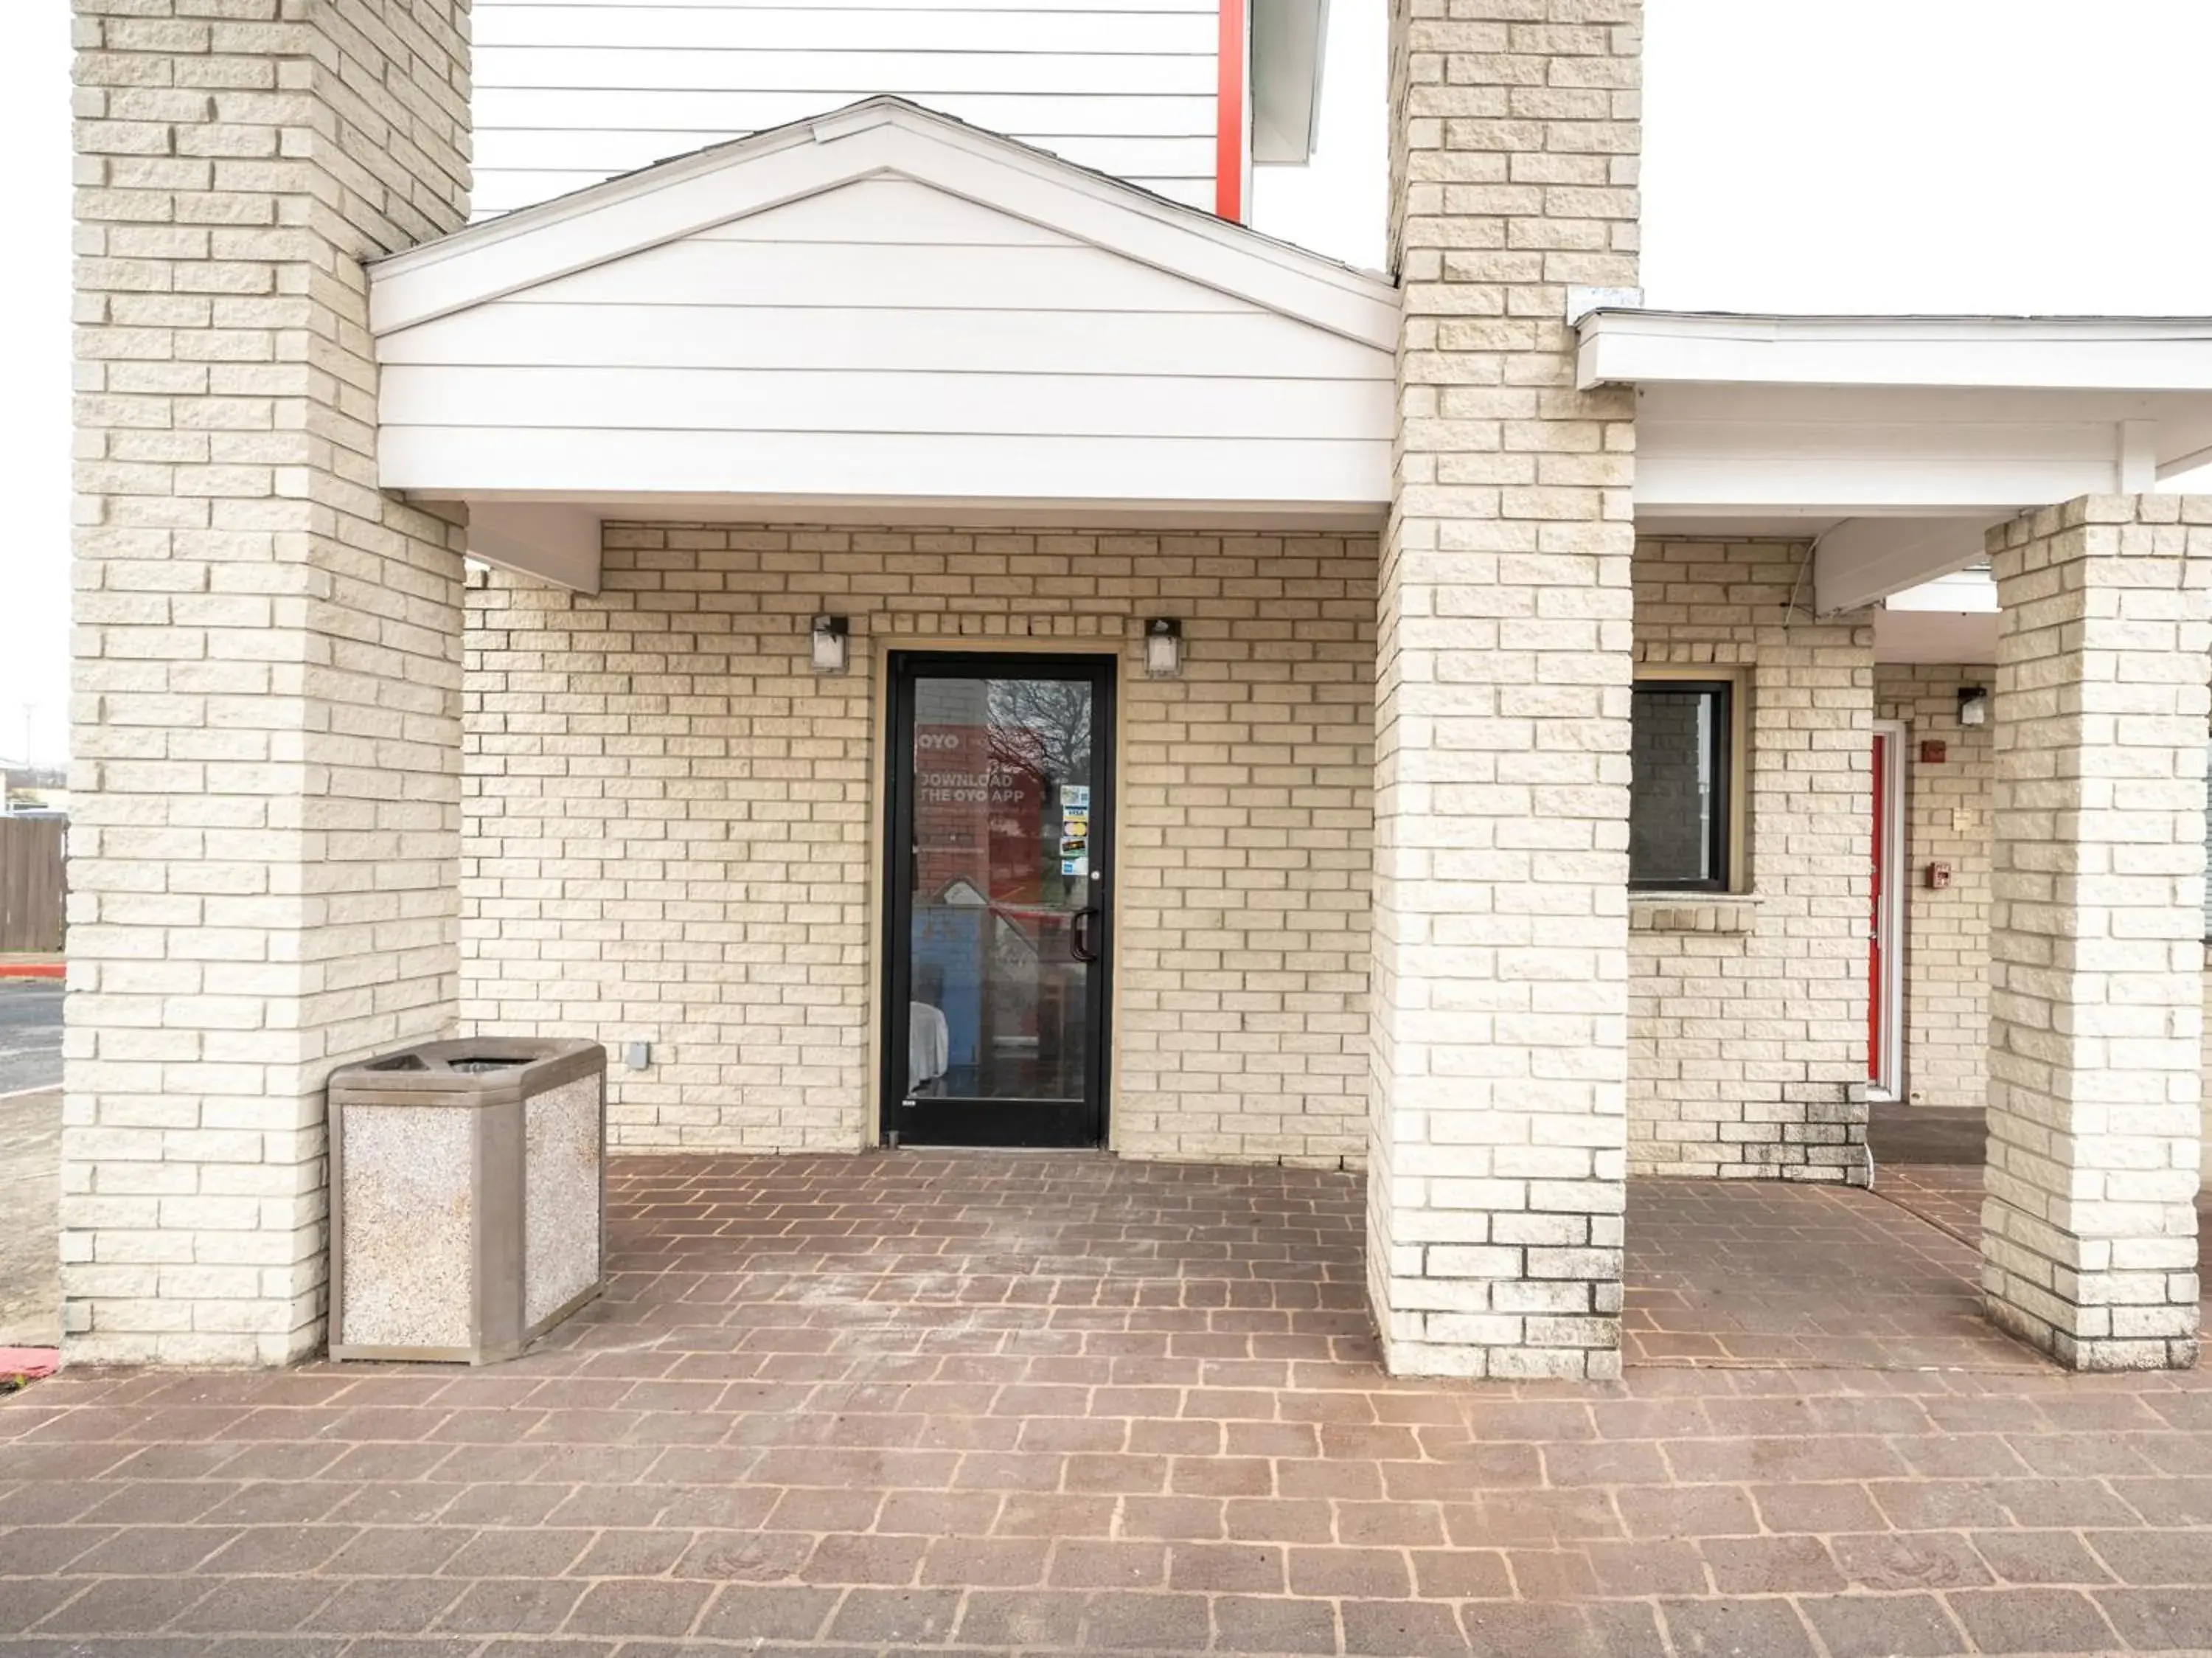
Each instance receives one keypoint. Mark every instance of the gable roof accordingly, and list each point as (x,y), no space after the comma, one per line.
(876,136)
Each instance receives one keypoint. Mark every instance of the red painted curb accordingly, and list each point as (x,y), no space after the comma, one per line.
(29,1363)
(33,969)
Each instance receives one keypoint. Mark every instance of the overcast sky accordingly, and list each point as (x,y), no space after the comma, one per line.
(1862,155)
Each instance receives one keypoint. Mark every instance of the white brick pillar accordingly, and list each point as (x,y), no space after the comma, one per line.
(265,793)
(2096,994)
(1495,1191)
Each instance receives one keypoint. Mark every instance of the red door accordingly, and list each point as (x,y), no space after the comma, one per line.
(1875,941)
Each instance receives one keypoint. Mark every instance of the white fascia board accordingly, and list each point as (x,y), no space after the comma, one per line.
(556,543)
(1842,485)
(1647,348)
(573,233)
(881,136)
(1252,517)
(446,462)
(1864,561)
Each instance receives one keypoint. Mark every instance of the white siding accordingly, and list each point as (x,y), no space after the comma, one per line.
(566,95)
(884,339)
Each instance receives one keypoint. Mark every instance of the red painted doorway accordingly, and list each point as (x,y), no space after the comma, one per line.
(1886,916)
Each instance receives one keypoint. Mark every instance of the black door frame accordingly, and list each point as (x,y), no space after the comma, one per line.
(1019,1123)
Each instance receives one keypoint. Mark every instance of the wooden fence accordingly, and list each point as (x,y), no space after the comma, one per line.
(30,884)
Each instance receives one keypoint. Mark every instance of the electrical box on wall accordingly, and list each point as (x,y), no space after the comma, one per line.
(1932,751)
(1939,875)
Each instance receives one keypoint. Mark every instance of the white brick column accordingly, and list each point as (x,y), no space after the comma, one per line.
(1495,1191)
(265,791)
(2096,993)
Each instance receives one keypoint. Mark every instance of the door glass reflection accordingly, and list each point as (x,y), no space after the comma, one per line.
(1003,905)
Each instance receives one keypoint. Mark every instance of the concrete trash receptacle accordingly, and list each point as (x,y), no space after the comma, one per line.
(468,1208)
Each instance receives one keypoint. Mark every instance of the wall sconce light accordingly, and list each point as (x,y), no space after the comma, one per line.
(1163,648)
(1973,705)
(830,643)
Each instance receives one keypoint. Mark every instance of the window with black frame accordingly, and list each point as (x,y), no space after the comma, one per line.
(1678,803)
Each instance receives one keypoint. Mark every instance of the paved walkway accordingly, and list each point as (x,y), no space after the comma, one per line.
(1765,1274)
(1050,1405)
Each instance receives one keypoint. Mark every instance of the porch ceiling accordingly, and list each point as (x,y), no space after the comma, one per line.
(886,317)
(1897,440)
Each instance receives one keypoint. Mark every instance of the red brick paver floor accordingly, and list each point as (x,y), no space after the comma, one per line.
(1766,1273)
(928,1403)
(1949,1197)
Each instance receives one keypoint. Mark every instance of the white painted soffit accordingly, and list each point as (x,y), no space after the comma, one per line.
(876,136)
(1970,591)
(1638,347)
(1968,638)
(1953,619)
(1864,561)
(1897,440)
(555,542)
(1337,517)
(1286,71)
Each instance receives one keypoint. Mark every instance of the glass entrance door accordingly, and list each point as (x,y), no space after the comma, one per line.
(1001,823)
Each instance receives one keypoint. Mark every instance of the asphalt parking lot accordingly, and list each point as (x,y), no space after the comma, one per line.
(30,1162)
(30,1034)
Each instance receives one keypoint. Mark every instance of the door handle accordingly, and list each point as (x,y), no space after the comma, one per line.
(1081,944)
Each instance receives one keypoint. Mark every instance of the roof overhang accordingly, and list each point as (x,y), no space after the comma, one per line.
(1622,347)
(847,320)
(1896,440)
(1287,55)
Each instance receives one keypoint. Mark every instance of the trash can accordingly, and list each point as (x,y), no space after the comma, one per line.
(468,1212)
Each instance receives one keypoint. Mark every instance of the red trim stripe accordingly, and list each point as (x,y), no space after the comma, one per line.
(1229,114)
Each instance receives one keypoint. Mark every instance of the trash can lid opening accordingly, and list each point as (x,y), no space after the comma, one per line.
(474,1063)
(398,1062)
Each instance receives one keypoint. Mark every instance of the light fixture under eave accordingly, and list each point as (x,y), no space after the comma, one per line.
(831,639)
(1973,705)
(1163,648)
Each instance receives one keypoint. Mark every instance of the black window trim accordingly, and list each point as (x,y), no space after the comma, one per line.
(1719,849)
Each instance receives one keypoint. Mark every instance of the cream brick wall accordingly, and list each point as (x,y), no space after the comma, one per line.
(2096,992)
(671,821)
(266,717)
(1495,1194)
(1747,1036)
(1947,931)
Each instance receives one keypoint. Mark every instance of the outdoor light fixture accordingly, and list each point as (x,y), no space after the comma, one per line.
(1973,705)
(1163,648)
(830,634)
